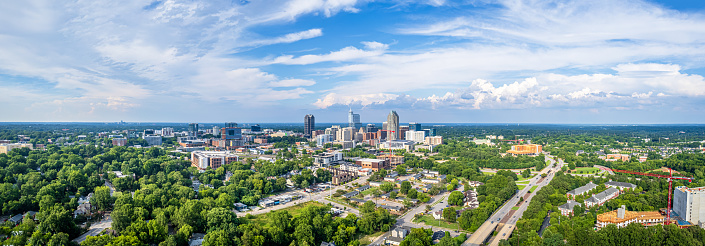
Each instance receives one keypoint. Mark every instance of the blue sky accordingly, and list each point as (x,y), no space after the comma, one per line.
(595,61)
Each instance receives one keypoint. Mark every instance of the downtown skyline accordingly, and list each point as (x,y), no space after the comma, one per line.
(574,62)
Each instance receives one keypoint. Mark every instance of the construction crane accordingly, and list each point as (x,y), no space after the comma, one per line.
(389,139)
(670,179)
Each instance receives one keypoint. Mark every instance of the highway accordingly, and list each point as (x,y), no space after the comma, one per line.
(504,213)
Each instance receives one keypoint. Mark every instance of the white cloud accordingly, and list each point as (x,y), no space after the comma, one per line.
(346,54)
(292,83)
(361,99)
(290,38)
(552,90)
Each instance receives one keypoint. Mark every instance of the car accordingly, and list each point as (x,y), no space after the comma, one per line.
(492,222)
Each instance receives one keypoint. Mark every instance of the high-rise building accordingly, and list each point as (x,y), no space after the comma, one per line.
(402,132)
(689,203)
(393,125)
(413,126)
(347,134)
(371,128)
(255,128)
(416,136)
(354,120)
(167,132)
(309,125)
(230,124)
(230,133)
(193,130)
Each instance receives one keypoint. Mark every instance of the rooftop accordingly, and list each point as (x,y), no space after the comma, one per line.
(612,216)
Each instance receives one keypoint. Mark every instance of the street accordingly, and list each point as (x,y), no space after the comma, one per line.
(491,224)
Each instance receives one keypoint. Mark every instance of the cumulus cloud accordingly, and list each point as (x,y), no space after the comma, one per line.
(550,90)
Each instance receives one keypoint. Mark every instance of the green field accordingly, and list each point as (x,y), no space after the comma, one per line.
(521,186)
(429,220)
(533,188)
(369,191)
(586,170)
(488,173)
(515,208)
(263,219)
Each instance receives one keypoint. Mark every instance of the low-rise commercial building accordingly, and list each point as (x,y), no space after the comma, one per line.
(374,164)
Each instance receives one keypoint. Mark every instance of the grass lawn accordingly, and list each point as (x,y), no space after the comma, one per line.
(586,170)
(263,219)
(515,208)
(369,191)
(429,220)
(368,239)
(533,188)
(521,178)
(488,173)
(335,199)
(521,186)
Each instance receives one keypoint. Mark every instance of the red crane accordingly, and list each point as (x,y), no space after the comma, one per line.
(670,178)
(389,139)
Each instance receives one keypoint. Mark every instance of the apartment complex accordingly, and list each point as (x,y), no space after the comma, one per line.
(213,159)
(525,149)
(621,218)
(581,190)
(393,160)
(602,197)
(7,147)
(433,140)
(689,203)
(327,159)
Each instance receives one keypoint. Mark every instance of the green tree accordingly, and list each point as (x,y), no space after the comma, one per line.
(190,214)
(449,214)
(97,240)
(101,198)
(405,187)
(526,173)
(456,198)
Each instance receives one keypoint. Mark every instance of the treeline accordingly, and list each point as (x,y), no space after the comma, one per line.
(491,195)
(650,195)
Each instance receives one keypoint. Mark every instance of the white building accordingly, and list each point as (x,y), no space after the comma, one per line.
(323,139)
(689,203)
(416,136)
(153,140)
(327,159)
(5,148)
(435,140)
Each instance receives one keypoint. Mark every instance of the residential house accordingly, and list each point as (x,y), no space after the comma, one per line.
(567,208)
(602,197)
(581,190)
(397,235)
(620,185)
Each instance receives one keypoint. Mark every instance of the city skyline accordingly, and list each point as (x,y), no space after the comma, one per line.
(594,62)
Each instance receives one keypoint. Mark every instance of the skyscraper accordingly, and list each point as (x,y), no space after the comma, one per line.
(230,124)
(193,130)
(371,128)
(309,125)
(413,126)
(393,125)
(354,120)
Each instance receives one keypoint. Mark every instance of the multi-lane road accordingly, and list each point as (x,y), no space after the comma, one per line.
(504,213)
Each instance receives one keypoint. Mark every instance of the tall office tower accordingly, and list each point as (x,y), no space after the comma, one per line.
(193,130)
(393,125)
(413,126)
(255,128)
(354,120)
(309,125)
(371,128)
(230,124)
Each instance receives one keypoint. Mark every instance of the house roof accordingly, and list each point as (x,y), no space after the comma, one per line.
(602,195)
(621,184)
(582,189)
(569,205)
